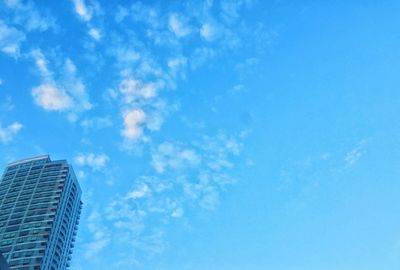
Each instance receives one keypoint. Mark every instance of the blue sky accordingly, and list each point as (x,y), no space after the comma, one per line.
(209,134)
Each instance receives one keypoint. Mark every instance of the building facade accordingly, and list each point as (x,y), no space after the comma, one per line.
(40,205)
(3,263)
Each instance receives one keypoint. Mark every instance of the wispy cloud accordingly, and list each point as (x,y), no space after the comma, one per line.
(95,34)
(307,175)
(238,88)
(139,192)
(133,90)
(142,108)
(173,156)
(64,93)
(210,31)
(88,13)
(97,122)
(82,10)
(75,86)
(10,39)
(179,25)
(144,77)
(230,9)
(92,160)
(185,176)
(100,235)
(177,65)
(354,155)
(181,175)
(7,105)
(8,133)
(27,15)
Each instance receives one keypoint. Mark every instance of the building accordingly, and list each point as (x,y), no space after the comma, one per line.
(3,263)
(39,213)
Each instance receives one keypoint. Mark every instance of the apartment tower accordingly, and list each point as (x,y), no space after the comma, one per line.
(40,204)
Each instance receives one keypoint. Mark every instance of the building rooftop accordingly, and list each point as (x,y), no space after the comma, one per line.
(30,159)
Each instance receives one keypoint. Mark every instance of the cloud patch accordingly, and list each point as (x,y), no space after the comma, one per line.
(10,39)
(169,155)
(64,91)
(94,161)
(179,25)
(95,34)
(97,122)
(134,90)
(185,178)
(27,15)
(139,192)
(51,98)
(100,235)
(8,133)
(133,124)
(82,10)
(210,31)
(353,156)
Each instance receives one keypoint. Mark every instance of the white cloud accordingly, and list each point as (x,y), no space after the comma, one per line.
(210,31)
(95,34)
(238,89)
(121,14)
(81,174)
(51,98)
(169,155)
(201,55)
(100,235)
(7,105)
(94,161)
(142,106)
(129,223)
(125,54)
(9,132)
(133,121)
(230,9)
(209,199)
(182,179)
(219,150)
(1,82)
(178,213)
(355,154)
(97,122)
(143,77)
(67,93)
(177,64)
(84,12)
(140,192)
(12,3)
(179,25)
(147,14)
(133,89)
(41,63)
(27,15)
(155,119)
(75,87)
(10,39)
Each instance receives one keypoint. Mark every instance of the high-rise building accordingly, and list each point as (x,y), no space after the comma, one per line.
(3,263)
(40,207)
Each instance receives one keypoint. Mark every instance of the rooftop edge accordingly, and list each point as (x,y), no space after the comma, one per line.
(29,159)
